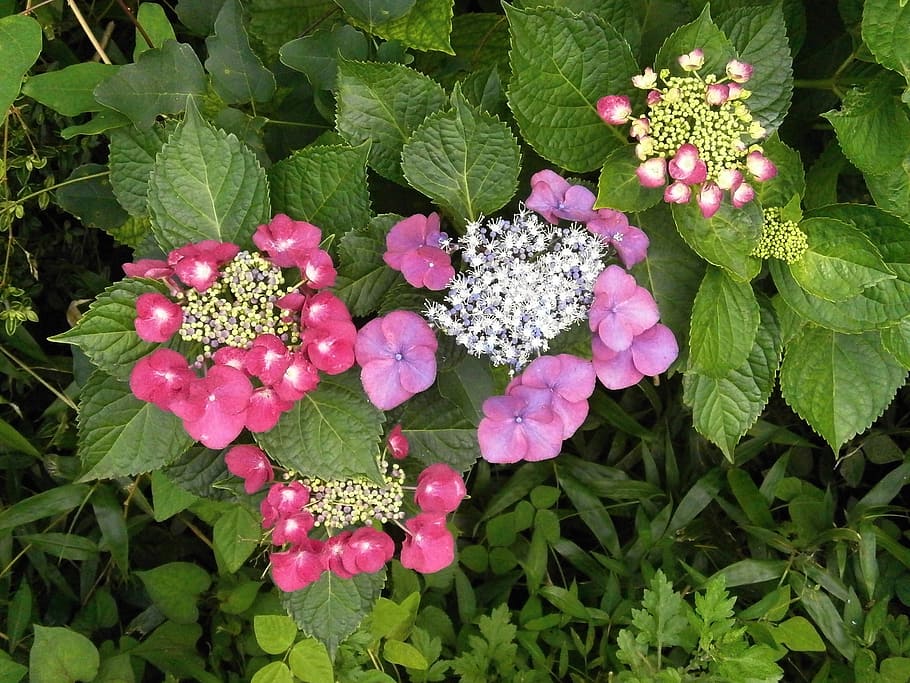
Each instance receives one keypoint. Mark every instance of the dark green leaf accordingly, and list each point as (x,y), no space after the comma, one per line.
(89,197)
(238,75)
(132,157)
(153,19)
(702,33)
(175,588)
(236,536)
(790,179)
(199,15)
(319,55)
(12,440)
(727,239)
(158,83)
(371,13)
(60,545)
(438,431)
(555,83)
(275,22)
(69,91)
(20,45)
(618,186)
(885,27)
(426,26)
(363,277)
(55,501)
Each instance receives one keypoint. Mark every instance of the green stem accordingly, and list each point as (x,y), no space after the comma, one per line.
(64,183)
(56,392)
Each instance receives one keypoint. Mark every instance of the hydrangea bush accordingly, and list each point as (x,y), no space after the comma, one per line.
(334,309)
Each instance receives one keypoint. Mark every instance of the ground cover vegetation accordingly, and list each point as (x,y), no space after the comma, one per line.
(425,340)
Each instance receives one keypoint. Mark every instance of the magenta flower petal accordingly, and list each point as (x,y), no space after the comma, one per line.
(333,552)
(577,205)
(742,195)
(567,376)
(150,268)
(297,568)
(251,464)
(157,317)
(267,359)
(760,166)
(294,529)
(709,199)
(614,109)
(519,427)
(652,173)
(398,443)
(439,489)
(429,545)
(621,309)
(382,386)
(161,378)
(408,235)
(265,409)
(654,350)
(367,550)
(317,269)
(739,72)
(548,189)
(285,240)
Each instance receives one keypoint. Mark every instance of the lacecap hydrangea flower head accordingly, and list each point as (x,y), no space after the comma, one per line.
(698,139)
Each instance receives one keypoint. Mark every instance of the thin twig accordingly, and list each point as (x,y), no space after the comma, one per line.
(132,17)
(56,392)
(88,32)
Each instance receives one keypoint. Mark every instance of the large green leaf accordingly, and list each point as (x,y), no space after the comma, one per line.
(326,186)
(372,13)
(759,35)
(873,126)
(20,45)
(880,305)
(158,83)
(839,263)
(238,75)
(425,27)
(463,159)
(438,431)
(275,22)
(113,424)
(886,25)
(60,655)
(363,277)
(156,25)
(132,157)
(725,317)
(175,587)
(790,179)
(839,383)
(331,608)
(88,195)
(384,103)
(69,91)
(199,15)
(701,34)
(891,190)
(50,503)
(331,433)
(206,185)
(896,340)
(725,407)
(726,239)
(106,333)
(556,82)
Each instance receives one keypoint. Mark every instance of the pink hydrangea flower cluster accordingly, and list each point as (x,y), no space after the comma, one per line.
(263,344)
(414,247)
(629,343)
(698,131)
(554,198)
(542,407)
(288,511)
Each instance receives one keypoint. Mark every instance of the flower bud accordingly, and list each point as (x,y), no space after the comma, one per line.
(614,109)
(717,93)
(742,195)
(760,166)
(709,199)
(738,72)
(645,81)
(692,61)
(677,193)
(652,173)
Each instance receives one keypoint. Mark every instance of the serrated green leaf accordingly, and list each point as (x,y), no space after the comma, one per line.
(839,263)
(206,185)
(319,54)
(555,83)
(238,75)
(881,305)
(618,186)
(112,421)
(331,608)
(60,655)
(759,35)
(480,43)
(274,22)
(725,407)
(384,104)
(438,431)
(275,633)
(332,433)
(153,19)
(158,83)
(89,197)
(69,90)
(873,126)
(727,239)
(106,333)
(236,536)
(725,317)
(896,340)
(463,159)
(20,45)
(363,277)
(885,27)
(175,588)
(891,190)
(326,186)
(839,383)
(703,34)
(790,180)
(372,13)
(132,157)
(310,662)
(662,620)
(197,470)
(425,27)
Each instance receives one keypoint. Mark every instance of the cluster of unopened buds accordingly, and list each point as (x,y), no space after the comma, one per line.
(263,343)
(292,510)
(698,130)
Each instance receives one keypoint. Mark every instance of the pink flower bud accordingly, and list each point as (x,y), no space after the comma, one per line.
(251,464)
(367,550)
(398,443)
(760,166)
(645,81)
(652,173)
(742,195)
(429,545)
(614,109)
(686,166)
(640,127)
(738,72)
(717,94)
(439,489)
(709,199)
(736,92)
(692,61)
(157,317)
(729,179)
(654,97)
(645,148)
(677,193)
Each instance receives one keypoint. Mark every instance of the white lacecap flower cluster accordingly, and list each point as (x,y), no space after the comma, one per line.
(526,281)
